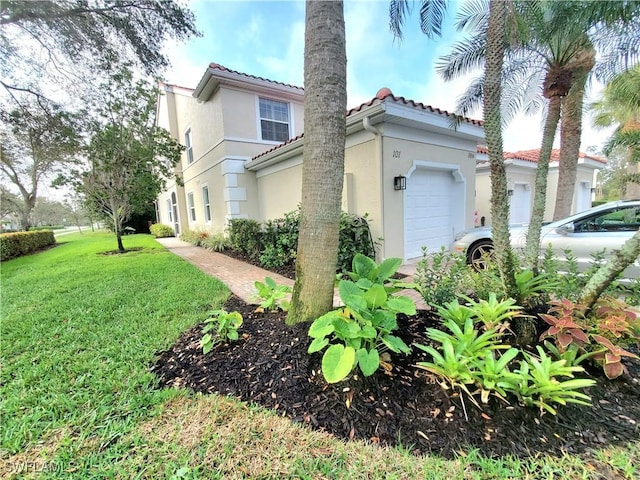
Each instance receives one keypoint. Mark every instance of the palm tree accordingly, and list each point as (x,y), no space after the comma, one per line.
(431,17)
(545,49)
(325,104)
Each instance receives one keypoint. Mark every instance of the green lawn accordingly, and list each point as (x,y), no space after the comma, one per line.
(79,332)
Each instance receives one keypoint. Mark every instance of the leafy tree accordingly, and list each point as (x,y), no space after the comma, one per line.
(325,104)
(60,40)
(129,157)
(33,147)
(50,212)
(493,41)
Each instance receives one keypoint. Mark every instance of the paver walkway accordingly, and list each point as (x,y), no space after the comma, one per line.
(237,275)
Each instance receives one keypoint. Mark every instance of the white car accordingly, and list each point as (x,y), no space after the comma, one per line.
(603,228)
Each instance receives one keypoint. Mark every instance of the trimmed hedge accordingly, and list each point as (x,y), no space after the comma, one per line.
(275,243)
(159,230)
(22,243)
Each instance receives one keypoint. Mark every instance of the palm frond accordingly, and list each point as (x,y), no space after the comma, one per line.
(399,10)
(432,16)
(473,16)
(466,56)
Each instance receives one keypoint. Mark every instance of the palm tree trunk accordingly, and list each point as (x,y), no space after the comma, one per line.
(619,260)
(532,249)
(493,135)
(325,104)
(570,135)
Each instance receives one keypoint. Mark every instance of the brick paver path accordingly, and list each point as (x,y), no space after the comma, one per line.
(237,275)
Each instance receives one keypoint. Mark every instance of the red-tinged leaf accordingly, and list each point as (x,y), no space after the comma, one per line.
(553,331)
(613,370)
(551,320)
(605,342)
(579,335)
(564,340)
(611,358)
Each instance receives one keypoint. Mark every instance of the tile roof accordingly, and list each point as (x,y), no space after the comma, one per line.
(385,93)
(533,155)
(217,66)
(382,95)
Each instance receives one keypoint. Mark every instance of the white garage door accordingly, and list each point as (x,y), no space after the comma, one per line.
(520,206)
(430,204)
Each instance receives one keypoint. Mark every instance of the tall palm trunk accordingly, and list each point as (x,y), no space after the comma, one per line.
(570,135)
(493,135)
(571,132)
(532,249)
(325,104)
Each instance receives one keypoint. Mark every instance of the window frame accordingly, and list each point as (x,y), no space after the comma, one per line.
(191,206)
(170,210)
(260,118)
(188,143)
(206,203)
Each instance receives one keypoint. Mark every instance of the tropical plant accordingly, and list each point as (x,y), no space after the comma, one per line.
(363,329)
(224,327)
(494,313)
(216,242)
(538,382)
(365,272)
(594,334)
(325,103)
(273,296)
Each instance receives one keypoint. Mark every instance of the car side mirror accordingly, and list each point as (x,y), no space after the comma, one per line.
(566,229)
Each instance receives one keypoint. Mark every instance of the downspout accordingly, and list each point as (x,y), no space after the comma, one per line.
(366,124)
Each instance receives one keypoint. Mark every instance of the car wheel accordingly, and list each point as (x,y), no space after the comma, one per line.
(479,253)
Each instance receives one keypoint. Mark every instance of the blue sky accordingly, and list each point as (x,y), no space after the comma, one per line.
(266,38)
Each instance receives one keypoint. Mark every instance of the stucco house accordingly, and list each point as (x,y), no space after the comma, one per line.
(521,174)
(404,167)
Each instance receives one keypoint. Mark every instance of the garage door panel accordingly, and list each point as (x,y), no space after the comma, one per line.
(429,197)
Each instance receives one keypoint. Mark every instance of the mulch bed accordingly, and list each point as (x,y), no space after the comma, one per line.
(288,271)
(269,366)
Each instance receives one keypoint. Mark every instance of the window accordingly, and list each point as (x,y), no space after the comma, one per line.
(274,120)
(206,204)
(192,207)
(189,145)
(624,219)
(169,210)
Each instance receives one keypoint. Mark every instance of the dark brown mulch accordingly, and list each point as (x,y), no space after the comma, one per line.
(269,366)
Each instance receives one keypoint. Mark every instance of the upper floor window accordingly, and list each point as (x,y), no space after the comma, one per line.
(274,120)
(189,145)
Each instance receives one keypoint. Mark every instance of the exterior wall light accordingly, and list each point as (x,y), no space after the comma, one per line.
(400,182)
(510,193)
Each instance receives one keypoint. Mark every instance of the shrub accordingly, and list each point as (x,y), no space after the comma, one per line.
(442,276)
(245,236)
(195,237)
(22,243)
(280,241)
(159,230)
(216,242)
(354,238)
